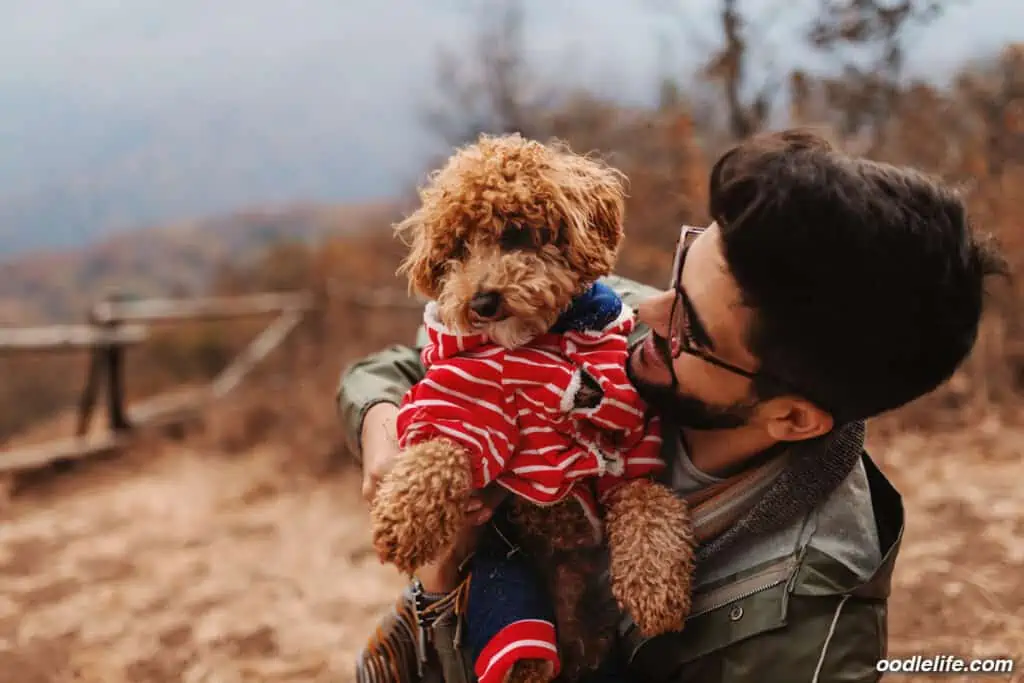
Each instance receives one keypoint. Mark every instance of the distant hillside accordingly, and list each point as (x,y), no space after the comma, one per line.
(175,260)
(68,181)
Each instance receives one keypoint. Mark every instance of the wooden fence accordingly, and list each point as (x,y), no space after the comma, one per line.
(116,325)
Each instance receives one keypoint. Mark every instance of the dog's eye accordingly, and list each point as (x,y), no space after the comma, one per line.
(517,237)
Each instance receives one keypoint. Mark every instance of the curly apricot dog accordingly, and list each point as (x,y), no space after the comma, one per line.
(525,388)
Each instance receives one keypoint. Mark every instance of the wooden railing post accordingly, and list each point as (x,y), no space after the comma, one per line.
(91,391)
(115,324)
(115,388)
(113,355)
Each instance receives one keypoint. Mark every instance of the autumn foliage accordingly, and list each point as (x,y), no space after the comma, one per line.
(970,133)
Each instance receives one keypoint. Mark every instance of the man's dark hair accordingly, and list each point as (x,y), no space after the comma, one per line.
(866,280)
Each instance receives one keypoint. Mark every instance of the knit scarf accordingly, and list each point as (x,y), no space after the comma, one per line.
(773,494)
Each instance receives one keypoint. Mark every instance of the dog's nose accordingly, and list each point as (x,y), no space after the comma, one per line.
(485,304)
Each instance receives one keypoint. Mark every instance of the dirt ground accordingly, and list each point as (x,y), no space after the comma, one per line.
(179,565)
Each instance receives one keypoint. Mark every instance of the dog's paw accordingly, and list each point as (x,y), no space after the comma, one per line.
(419,508)
(656,607)
(654,588)
(400,544)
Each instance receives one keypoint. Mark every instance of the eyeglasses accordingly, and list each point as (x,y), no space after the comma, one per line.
(681,332)
(681,329)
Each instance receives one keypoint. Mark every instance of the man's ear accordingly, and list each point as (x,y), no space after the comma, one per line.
(791,418)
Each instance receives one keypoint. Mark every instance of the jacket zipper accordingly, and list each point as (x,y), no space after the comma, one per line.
(778,574)
(741,596)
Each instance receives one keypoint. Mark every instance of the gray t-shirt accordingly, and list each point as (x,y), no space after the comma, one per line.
(686,478)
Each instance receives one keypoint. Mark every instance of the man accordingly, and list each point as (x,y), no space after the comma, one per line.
(827,290)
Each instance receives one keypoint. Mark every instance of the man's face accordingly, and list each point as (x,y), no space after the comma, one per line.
(689,389)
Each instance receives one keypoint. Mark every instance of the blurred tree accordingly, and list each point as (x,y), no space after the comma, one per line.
(730,96)
(867,88)
(282,266)
(992,95)
(863,42)
(491,89)
(729,68)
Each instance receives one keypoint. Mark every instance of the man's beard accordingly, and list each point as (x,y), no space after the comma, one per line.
(681,410)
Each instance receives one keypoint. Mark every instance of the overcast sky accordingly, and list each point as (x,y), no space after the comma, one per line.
(86,84)
(127,52)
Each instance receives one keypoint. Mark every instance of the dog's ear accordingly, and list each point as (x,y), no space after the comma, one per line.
(608,211)
(423,266)
(594,209)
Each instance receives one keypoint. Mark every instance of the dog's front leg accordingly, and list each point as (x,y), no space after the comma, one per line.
(651,546)
(420,506)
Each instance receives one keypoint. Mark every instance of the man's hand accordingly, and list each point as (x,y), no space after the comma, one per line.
(380,445)
(442,576)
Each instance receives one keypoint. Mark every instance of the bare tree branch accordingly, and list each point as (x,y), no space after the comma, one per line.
(727,70)
(868,94)
(492,89)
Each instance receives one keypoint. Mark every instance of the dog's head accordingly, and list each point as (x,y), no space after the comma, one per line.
(509,230)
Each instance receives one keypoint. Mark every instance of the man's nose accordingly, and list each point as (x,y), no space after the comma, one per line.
(655,311)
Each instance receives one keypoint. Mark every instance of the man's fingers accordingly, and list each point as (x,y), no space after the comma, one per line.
(476,512)
(480,507)
(370,482)
(480,516)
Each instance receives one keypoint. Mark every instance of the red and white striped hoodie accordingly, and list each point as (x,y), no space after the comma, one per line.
(512,410)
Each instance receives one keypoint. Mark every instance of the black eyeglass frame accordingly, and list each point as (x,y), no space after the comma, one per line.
(679,342)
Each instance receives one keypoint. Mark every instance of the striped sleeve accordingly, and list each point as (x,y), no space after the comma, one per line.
(642,460)
(462,399)
(524,639)
(604,359)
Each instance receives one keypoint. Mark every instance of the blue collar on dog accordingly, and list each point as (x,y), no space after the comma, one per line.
(592,310)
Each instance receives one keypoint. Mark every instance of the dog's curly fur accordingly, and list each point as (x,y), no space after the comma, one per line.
(435,471)
(532,225)
(653,586)
(571,562)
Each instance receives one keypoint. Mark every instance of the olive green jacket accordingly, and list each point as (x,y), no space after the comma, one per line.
(806,603)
